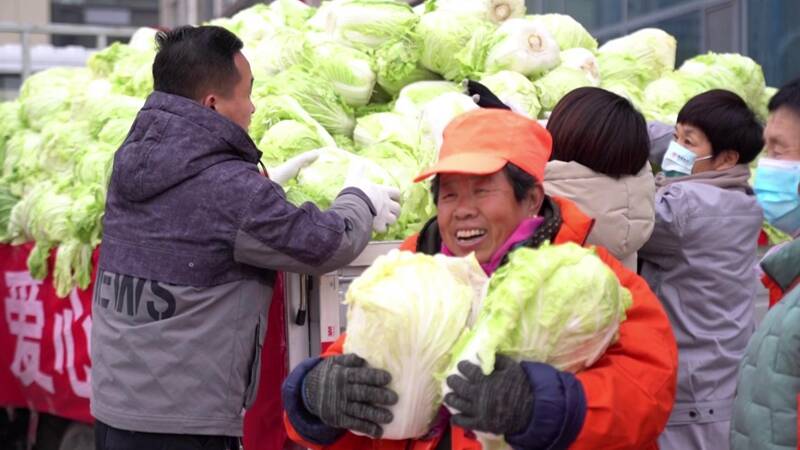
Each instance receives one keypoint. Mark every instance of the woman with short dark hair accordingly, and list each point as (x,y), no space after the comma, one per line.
(599,161)
(700,261)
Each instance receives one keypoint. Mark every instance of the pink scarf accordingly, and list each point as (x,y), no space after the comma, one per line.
(524,230)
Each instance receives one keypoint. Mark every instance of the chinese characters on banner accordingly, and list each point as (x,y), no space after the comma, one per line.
(45,348)
(25,319)
(44,362)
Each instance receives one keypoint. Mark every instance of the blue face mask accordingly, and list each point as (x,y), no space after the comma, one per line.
(777,189)
(679,160)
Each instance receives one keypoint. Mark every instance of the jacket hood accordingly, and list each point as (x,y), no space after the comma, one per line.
(172,140)
(623,208)
(783,264)
(660,135)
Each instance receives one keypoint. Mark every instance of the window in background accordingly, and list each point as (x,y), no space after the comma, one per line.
(773,38)
(595,13)
(591,13)
(638,8)
(9,86)
(686,29)
(128,13)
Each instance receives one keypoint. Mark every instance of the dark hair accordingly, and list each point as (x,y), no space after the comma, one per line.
(788,96)
(522,182)
(726,121)
(193,60)
(600,130)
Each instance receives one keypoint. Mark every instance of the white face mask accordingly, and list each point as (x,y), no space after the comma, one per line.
(679,160)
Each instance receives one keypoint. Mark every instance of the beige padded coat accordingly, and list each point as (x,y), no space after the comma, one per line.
(622,208)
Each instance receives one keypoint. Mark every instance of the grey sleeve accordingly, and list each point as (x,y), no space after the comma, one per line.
(670,218)
(660,135)
(278,235)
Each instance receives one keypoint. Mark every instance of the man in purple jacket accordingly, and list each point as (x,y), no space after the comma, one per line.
(193,237)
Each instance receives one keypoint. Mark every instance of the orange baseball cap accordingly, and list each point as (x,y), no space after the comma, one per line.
(483,141)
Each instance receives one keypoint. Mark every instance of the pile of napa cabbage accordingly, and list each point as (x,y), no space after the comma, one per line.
(361,79)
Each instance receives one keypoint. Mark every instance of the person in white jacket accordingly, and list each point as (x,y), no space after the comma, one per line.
(599,161)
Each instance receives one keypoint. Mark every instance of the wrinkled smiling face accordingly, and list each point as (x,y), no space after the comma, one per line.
(478,213)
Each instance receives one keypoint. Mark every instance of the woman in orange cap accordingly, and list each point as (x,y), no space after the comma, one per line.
(490,200)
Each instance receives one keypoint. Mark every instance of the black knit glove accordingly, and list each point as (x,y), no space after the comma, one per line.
(343,392)
(500,403)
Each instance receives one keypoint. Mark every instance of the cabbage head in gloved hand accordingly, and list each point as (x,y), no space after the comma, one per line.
(405,313)
(558,304)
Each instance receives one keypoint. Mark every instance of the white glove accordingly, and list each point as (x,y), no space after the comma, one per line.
(385,199)
(291,168)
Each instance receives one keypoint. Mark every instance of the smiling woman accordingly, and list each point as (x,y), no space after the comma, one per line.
(490,201)
(486,185)
(479,213)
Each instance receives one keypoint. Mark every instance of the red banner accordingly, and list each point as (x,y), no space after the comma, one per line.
(44,361)
(44,351)
(263,423)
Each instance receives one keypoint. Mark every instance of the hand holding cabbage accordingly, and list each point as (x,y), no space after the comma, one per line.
(499,403)
(344,393)
(558,304)
(413,317)
(405,313)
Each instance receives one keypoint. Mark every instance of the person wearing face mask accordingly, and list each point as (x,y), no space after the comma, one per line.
(777,183)
(766,406)
(700,260)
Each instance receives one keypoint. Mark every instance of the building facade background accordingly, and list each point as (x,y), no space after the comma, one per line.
(24,11)
(766,30)
(122,13)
